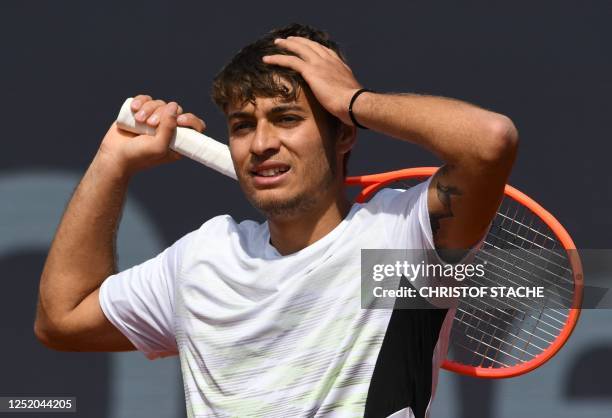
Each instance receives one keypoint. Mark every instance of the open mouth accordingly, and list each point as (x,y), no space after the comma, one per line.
(270,169)
(271,172)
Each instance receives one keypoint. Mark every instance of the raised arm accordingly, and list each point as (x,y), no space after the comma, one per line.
(82,254)
(477,146)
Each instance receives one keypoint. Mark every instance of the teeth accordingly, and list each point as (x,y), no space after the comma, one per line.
(270,172)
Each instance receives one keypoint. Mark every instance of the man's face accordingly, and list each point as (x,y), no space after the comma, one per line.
(284,154)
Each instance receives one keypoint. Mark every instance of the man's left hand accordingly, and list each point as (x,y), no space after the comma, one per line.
(332,82)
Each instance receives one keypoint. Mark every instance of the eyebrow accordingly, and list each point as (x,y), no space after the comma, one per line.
(274,110)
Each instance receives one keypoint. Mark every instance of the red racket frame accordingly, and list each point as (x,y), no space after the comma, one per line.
(373,182)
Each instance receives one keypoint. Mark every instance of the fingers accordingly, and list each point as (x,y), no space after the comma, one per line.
(289,61)
(189,120)
(138,101)
(174,156)
(154,119)
(305,48)
(152,112)
(147,111)
(308,51)
(295,44)
(167,125)
(319,49)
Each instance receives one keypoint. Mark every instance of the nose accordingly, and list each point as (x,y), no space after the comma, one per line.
(265,140)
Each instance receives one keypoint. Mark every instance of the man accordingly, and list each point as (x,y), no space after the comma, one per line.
(266,317)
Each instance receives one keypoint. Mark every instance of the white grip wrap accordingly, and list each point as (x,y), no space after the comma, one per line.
(187,142)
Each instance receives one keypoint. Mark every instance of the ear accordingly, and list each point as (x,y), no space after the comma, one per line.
(346,138)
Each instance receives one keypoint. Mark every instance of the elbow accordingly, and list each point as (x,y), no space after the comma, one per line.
(42,329)
(501,144)
(43,335)
(48,337)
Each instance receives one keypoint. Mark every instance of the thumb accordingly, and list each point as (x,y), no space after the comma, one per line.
(167,124)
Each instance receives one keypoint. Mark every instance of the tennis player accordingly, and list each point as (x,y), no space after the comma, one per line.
(266,317)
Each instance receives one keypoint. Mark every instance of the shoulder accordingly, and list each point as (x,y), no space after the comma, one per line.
(399,201)
(402,214)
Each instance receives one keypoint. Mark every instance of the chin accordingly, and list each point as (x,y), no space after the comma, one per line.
(281,206)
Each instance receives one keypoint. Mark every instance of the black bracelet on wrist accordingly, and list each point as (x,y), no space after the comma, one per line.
(350,108)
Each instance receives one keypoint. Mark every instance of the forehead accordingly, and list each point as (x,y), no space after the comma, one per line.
(268,104)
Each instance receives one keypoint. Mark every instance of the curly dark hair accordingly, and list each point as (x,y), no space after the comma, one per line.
(246,76)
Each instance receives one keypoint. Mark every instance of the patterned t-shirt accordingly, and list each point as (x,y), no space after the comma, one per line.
(265,335)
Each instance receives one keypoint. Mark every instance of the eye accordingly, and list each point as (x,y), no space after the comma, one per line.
(289,119)
(241,126)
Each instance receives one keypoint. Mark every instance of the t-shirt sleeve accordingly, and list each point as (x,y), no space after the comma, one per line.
(407,224)
(408,227)
(139,301)
(406,217)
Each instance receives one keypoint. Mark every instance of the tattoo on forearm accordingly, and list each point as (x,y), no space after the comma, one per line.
(445,192)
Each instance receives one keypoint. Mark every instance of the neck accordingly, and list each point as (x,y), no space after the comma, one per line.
(291,234)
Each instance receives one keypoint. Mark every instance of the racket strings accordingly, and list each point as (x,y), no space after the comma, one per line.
(519,251)
(519,241)
(516,336)
(490,331)
(519,314)
(535,271)
(500,278)
(508,318)
(554,264)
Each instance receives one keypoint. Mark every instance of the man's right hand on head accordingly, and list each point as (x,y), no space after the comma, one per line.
(128,153)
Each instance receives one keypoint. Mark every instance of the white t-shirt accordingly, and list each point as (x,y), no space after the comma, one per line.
(265,335)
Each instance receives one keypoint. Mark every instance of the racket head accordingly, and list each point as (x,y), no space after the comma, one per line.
(489,342)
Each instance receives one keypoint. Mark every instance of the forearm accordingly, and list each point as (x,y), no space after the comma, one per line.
(82,254)
(455,131)
(477,146)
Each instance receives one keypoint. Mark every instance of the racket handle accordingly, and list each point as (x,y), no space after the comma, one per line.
(187,142)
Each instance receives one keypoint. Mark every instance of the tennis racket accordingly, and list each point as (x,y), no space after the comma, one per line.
(525,245)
